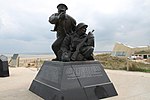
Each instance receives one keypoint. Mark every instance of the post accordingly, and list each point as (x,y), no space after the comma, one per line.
(127,64)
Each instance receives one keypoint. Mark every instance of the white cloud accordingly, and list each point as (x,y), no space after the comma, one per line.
(25,22)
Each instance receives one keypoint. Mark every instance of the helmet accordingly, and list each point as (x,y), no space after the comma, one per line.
(62,6)
(80,25)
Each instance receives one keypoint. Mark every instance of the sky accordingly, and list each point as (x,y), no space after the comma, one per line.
(24,26)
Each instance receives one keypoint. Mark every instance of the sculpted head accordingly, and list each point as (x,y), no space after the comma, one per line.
(81,28)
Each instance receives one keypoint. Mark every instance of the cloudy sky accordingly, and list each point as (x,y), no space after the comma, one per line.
(24,26)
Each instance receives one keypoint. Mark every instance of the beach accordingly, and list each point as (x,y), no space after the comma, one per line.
(35,60)
(29,60)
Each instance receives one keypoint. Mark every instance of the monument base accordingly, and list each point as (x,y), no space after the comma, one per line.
(79,80)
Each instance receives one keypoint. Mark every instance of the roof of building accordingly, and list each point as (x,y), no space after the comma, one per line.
(143,52)
(132,46)
(125,45)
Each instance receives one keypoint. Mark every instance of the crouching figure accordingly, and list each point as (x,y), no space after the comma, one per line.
(78,46)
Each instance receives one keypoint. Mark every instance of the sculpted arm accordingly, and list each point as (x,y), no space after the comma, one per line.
(53,19)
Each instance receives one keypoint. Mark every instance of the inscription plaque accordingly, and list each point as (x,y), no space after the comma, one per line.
(83,71)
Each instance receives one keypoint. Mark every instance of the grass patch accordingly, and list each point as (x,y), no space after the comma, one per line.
(116,63)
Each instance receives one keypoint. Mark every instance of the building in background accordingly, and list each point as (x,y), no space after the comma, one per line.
(122,50)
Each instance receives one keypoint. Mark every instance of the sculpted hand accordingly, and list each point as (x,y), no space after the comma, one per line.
(62,15)
(90,34)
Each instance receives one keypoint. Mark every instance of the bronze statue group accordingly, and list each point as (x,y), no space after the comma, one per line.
(72,43)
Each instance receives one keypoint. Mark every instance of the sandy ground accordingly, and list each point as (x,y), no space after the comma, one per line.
(129,85)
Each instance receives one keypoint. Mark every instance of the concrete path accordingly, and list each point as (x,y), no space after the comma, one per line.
(16,86)
(129,85)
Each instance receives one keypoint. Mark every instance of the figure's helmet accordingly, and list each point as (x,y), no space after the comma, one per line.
(80,25)
(62,6)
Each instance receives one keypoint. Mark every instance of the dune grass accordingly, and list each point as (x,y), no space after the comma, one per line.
(116,63)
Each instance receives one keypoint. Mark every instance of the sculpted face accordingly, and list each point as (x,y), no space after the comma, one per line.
(62,8)
(61,11)
(82,31)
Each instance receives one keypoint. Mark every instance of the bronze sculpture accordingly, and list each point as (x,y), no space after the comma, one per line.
(78,46)
(64,24)
(72,43)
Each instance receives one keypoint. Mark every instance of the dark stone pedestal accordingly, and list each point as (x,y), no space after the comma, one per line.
(4,70)
(83,80)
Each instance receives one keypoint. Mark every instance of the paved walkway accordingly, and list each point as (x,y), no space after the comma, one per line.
(129,85)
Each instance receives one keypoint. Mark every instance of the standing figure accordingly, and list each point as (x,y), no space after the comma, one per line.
(78,46)
(64,24)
